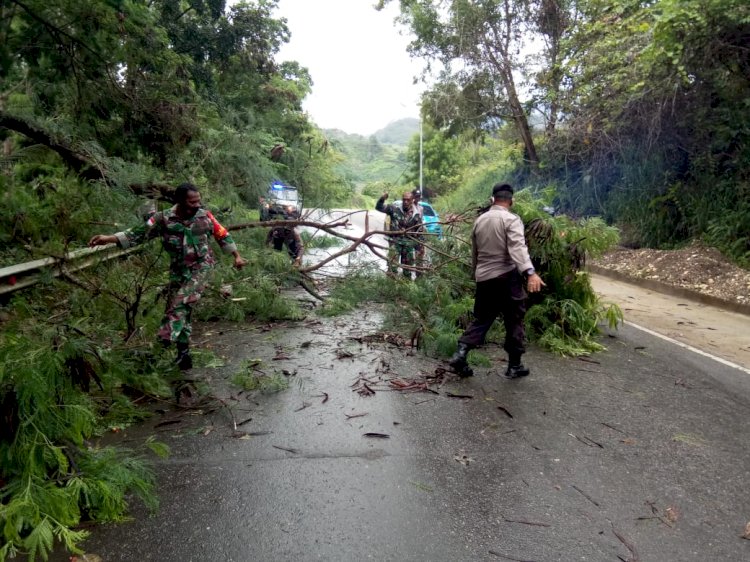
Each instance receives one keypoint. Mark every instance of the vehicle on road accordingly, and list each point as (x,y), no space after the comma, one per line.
(281,201)
(430,218)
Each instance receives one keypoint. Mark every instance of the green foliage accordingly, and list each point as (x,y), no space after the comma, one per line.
(487,163)
(567,327)
(657,122)
(255,290)
(442,161)
(52,478)
(251,378)
(44,213)
(102,101)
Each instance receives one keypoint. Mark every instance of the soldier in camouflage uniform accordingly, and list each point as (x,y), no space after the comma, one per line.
(403,217)
(184,230)
(288,236)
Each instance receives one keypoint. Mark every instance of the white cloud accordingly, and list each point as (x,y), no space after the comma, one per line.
(362,74)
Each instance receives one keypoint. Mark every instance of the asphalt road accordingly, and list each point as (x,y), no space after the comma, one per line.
(720,332)
(637,453)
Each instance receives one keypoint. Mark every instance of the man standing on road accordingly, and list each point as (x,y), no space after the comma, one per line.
(500,262)
(281,236)
(403,218)
(184,231)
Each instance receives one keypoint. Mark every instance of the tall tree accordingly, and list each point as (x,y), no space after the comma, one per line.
(657,130)
(479,44)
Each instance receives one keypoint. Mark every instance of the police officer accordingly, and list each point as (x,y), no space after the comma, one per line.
(501,268)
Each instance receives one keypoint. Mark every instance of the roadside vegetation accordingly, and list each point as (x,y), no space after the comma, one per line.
(637,118)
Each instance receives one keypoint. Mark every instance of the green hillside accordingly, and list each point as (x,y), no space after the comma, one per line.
(398,132)
(378,158)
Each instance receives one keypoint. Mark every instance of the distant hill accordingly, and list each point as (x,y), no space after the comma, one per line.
(398,132)
(369,159)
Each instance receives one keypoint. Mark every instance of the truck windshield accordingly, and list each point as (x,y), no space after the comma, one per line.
(284,193)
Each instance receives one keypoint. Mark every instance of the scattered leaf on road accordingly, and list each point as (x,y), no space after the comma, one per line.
(420,486)
(689,439)
(672,514)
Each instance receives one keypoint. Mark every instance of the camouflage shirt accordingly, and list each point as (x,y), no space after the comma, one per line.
(185,240)
(400,220)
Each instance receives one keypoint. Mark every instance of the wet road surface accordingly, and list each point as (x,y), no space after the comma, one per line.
(637,453)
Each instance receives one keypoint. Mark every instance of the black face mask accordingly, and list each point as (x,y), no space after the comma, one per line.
(189,211)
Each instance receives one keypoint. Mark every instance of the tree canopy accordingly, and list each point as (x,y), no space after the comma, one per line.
(635,111)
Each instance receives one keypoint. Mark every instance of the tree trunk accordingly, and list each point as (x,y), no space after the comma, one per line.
(522,122)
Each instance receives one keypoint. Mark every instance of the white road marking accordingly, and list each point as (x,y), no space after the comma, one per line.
(690,347)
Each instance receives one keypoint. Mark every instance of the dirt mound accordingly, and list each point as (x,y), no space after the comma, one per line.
(696,267)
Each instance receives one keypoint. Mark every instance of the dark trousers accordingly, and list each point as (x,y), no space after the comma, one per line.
(291,246)
(506,296)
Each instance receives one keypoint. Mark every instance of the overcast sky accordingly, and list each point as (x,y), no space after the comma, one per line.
(362,75)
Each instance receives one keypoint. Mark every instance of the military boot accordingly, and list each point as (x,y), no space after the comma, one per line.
(184,361)
(459,362)
(515,368)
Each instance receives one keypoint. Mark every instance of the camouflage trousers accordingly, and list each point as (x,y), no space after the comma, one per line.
(403,254)
(419,253)
(183,292)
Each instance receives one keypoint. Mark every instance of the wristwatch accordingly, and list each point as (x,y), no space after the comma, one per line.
(529,272)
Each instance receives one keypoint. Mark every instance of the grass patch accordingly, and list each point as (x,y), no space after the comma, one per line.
(250,378)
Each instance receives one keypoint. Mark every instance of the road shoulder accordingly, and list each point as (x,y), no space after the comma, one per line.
(713,330)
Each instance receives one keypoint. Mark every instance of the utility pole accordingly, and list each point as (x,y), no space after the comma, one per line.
(420,156)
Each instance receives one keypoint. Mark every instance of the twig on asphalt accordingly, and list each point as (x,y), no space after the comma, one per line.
(633,552)
(584,494)
(613,428)
(524,522)
(231,412)
(587,441)
(293,451)
(505,411)
(506,557)
(461,396)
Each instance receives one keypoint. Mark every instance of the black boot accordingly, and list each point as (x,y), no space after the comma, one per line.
(515,368)
(184,361)
(459,362)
